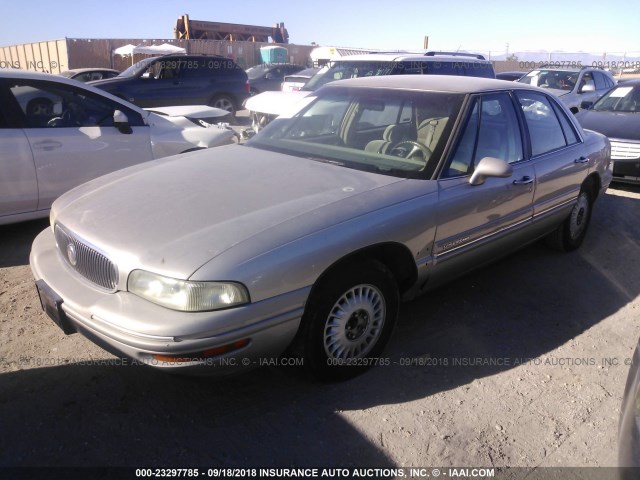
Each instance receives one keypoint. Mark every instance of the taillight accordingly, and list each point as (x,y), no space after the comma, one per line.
(247,87)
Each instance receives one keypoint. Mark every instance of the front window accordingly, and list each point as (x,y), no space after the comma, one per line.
(492,130)
(551,79)
(391,132)
(620,99)
(53,105)
(138,68)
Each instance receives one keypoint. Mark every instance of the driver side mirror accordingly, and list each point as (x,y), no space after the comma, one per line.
(269,76)
(121,122)
(490,167)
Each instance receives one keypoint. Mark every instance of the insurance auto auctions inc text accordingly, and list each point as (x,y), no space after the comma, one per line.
(376,472)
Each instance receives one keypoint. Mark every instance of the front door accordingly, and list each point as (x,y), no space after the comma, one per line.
(474,220)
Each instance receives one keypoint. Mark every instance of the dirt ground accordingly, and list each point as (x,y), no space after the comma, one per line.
(519,364)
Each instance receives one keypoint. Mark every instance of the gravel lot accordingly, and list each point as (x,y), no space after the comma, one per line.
(519,364)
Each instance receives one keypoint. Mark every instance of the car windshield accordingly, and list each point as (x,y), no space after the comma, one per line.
(553,79)
(137,68)
(620,99)
(258,71)
(345,69)
(393,132)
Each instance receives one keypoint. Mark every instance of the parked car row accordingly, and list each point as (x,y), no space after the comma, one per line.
(269,105)
(306,239)
(572,85)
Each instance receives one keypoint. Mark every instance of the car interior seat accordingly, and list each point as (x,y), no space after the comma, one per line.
(430,131)
(391,136)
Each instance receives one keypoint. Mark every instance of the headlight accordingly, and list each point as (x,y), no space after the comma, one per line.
(52,218)
(185,295)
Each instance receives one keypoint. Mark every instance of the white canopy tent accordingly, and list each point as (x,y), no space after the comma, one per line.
(163,49)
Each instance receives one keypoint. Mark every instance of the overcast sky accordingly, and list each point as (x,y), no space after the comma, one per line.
(566,25)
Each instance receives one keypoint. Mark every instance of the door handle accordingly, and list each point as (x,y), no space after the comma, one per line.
(47,145)
(526,180)
(581,160)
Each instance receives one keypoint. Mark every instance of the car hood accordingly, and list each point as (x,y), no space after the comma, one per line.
(172,216)
(274,103)
(105,83)
(611,124)
(191,111)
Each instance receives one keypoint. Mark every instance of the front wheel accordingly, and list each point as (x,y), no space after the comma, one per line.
(571,233)
(349,320)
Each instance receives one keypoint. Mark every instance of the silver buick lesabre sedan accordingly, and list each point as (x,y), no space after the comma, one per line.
(306,238)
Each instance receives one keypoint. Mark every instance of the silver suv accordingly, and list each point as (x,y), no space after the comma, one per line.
(572,85)
(269,105)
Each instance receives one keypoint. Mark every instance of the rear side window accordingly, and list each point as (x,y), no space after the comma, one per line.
(544,127)
(569,133)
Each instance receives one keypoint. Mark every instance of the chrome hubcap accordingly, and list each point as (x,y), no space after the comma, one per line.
(578,219)
(224,104)
(355,323)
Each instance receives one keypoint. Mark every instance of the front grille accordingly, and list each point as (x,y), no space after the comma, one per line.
(85,260)
(624,150)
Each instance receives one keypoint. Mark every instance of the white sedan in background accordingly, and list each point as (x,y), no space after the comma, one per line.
(57,133)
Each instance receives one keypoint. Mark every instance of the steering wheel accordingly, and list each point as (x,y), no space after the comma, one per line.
(409,148)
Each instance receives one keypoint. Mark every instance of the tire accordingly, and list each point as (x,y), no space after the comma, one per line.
(224,102)
(571,233)
(367,296)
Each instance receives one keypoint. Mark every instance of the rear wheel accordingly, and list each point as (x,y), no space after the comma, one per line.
(348,321)
(571,233)
(224,102)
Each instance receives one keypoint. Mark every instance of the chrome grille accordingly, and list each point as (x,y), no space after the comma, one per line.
(624,150)
(85,260)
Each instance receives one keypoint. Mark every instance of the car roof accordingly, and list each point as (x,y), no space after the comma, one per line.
(436,83)
(409,56)
(91,69)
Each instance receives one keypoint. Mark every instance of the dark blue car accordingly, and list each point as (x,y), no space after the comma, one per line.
(181,79)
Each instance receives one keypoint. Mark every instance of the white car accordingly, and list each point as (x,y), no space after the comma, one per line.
(56,133)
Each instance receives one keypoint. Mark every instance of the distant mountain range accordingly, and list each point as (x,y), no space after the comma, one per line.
(585,58)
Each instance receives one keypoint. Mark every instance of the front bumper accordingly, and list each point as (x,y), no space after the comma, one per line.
(131,327)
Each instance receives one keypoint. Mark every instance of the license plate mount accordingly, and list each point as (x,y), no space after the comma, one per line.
(52,305)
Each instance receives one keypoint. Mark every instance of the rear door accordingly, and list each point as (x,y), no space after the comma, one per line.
(71,135)
(557,153)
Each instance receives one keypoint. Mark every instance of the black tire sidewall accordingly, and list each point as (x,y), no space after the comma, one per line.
(322,300)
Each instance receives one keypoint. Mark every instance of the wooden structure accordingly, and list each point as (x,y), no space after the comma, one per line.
(187,29)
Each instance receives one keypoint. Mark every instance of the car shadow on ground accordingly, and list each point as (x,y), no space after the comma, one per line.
(84,415)
(16,240)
